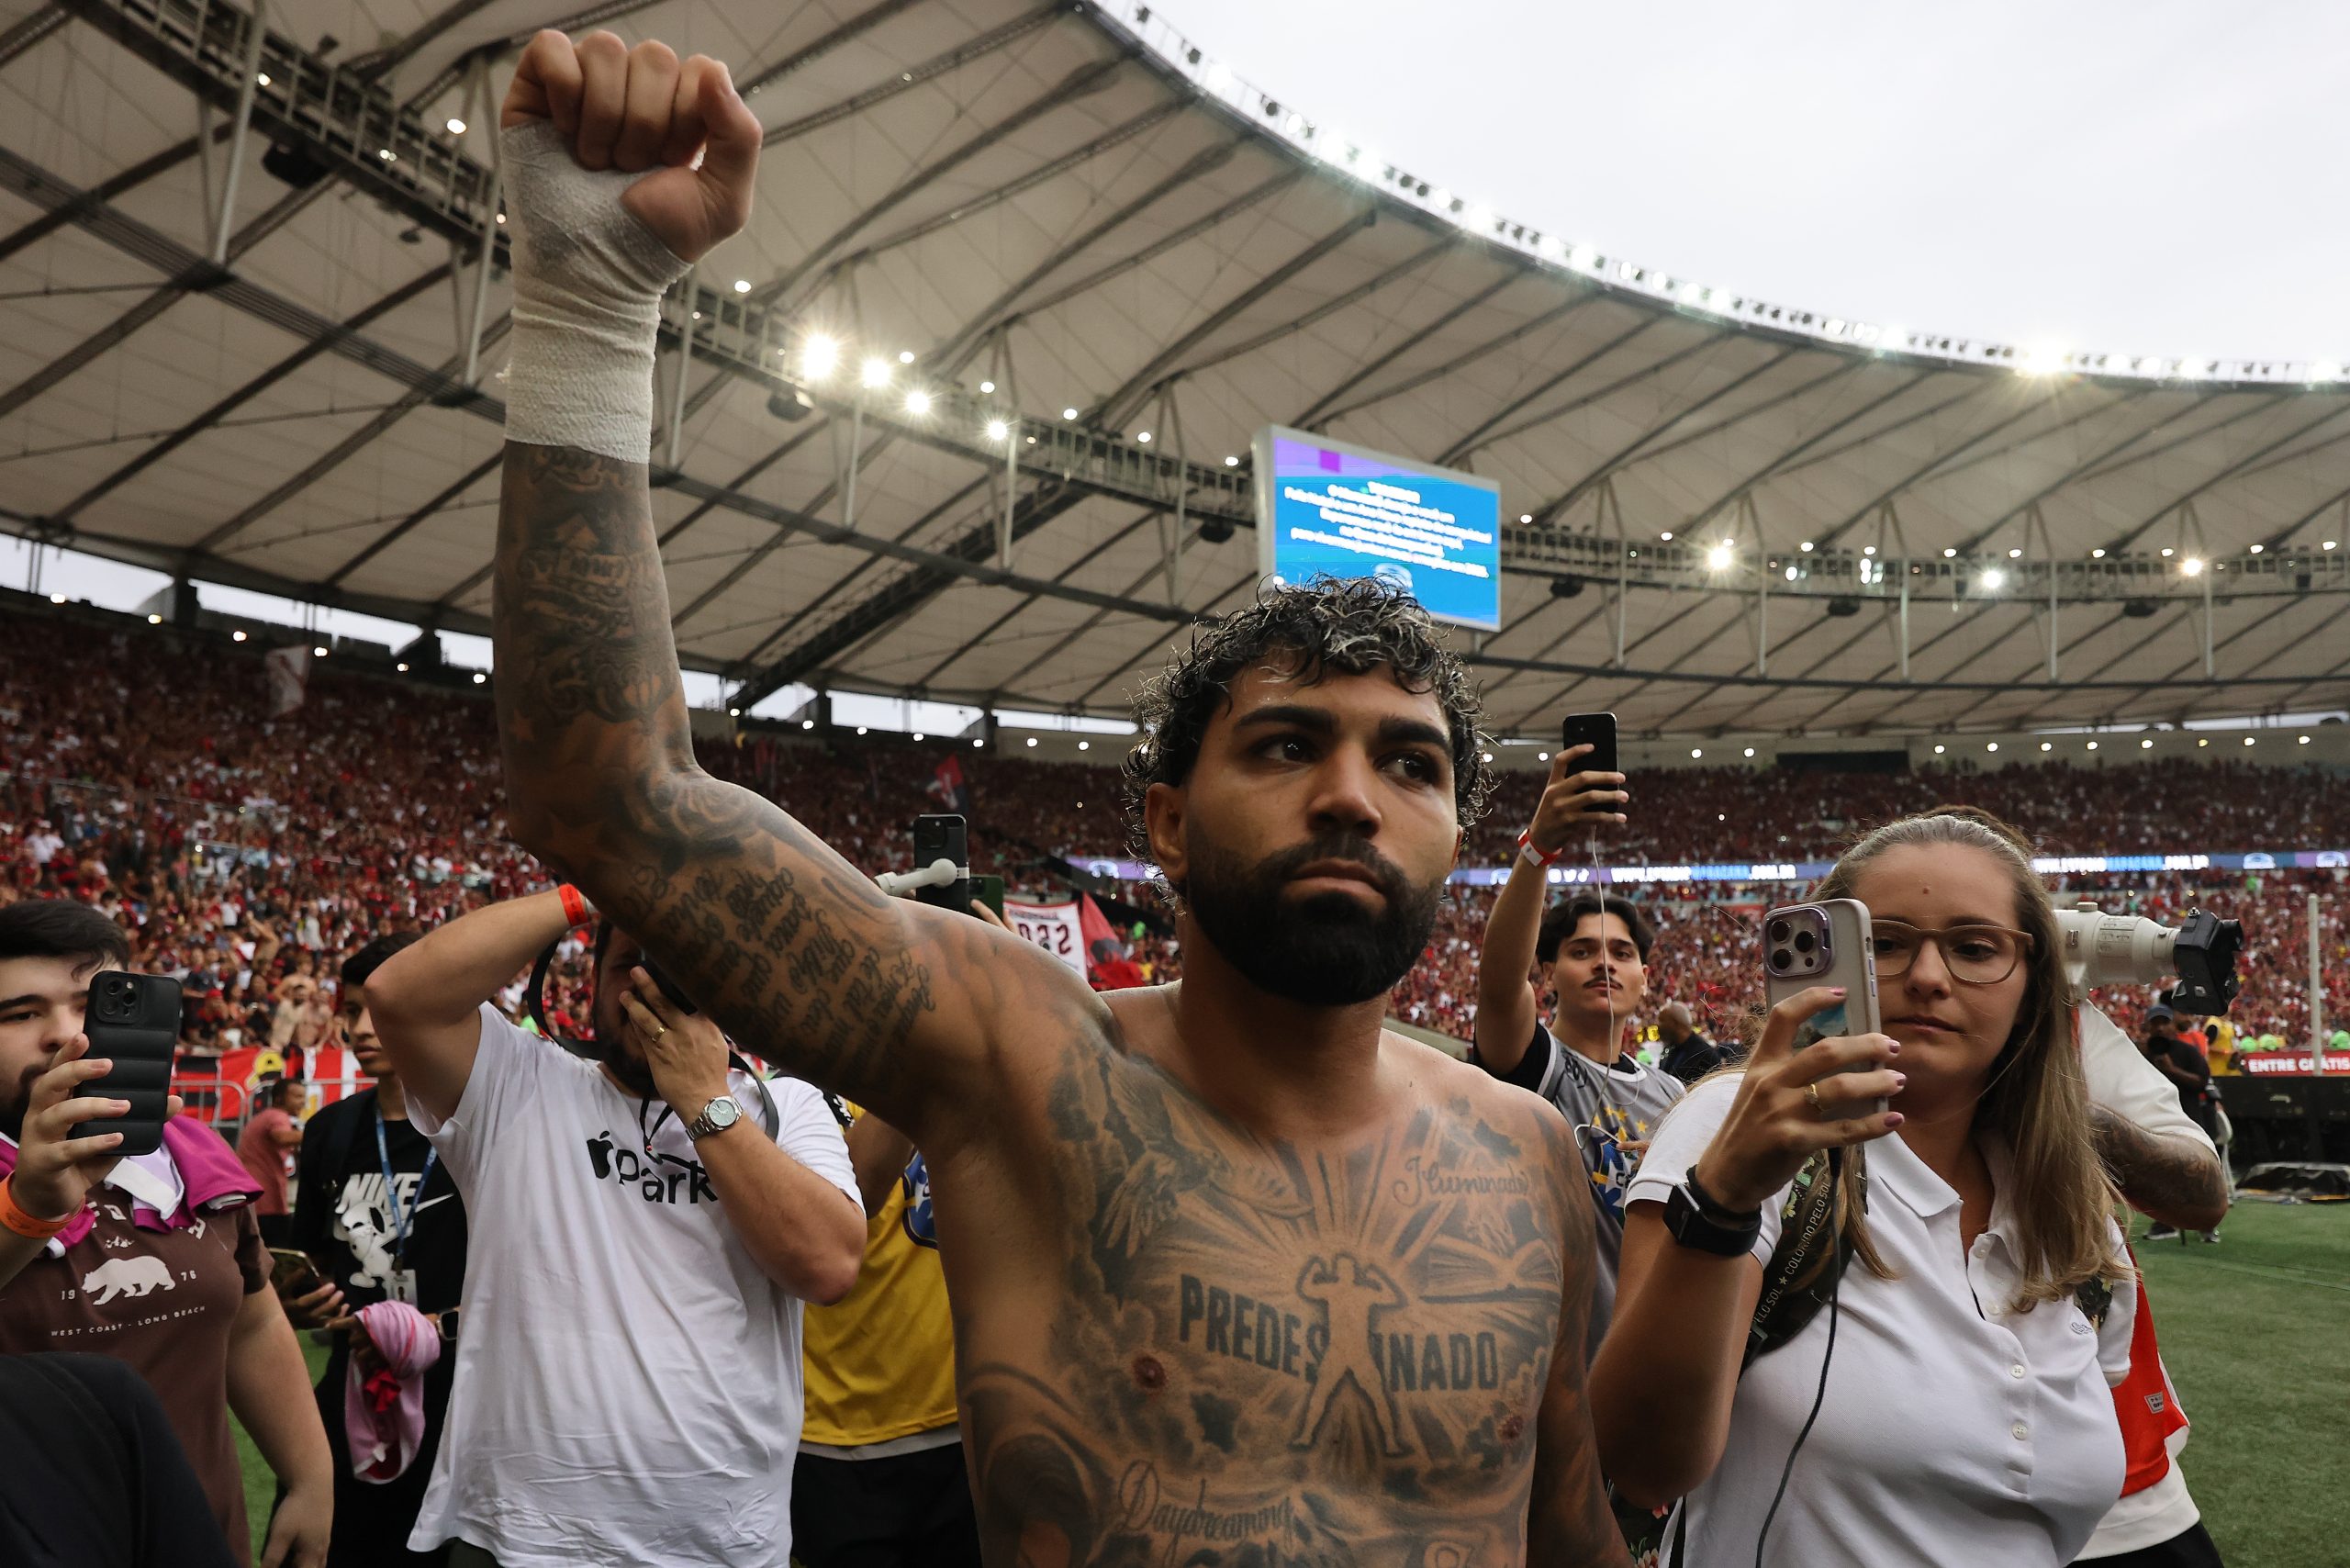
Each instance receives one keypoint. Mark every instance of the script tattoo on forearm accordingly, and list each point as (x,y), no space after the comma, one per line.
(2172,1179)
(790,948)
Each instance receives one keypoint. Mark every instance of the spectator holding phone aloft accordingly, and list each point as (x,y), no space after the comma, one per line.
(152,1259)
(1591,953)
(1964,1415)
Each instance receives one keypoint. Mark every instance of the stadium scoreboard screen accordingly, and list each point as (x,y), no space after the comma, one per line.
(1329,509)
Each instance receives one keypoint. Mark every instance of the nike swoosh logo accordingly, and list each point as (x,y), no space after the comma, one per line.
(428,1203)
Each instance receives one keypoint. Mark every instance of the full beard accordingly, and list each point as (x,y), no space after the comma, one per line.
(1327,950)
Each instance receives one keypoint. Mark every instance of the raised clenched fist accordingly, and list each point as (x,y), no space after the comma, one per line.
(632,110)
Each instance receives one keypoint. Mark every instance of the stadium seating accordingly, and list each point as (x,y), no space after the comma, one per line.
(237,847)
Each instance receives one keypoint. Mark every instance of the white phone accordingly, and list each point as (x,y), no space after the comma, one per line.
(1828,943)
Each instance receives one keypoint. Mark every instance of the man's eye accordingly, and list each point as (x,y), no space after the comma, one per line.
(1416,766)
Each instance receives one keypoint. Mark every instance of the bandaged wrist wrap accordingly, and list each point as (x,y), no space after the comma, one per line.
(588,276)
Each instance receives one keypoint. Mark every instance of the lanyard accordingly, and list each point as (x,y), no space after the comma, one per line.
(401,1220)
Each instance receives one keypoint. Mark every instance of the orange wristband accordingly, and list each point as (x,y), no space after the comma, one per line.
(575,905)
(31,1226)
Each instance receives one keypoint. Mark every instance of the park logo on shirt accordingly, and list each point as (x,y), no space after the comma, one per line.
(656,1177)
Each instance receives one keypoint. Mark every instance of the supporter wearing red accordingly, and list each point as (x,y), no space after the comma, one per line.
(642,1230)
(1591,953)
(381,1216)
(269,1135)
(152,1259)
(1119,1161)
(1965,1413)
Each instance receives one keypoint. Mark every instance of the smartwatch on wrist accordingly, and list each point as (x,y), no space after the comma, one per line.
(449,1324)
(1695,1219)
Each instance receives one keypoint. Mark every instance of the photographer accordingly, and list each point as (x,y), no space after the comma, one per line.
(643,1229)
(152,1259)
(2190,1077)
(1960,1411)
(1593,951)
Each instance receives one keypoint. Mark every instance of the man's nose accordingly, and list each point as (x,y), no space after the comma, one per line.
(1343,792)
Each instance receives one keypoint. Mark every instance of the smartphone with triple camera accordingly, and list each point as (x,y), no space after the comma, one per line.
(1597,730)
(134,1022)
(1828,943)
(944,836)
(989,890)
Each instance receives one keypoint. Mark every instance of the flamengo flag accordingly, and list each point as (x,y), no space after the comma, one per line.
(289,678)
(947,786)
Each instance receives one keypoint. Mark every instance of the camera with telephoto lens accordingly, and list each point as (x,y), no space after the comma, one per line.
(2128,949)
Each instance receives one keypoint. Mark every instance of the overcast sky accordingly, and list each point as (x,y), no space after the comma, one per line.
(2159,177)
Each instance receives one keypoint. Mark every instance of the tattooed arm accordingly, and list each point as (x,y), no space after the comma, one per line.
(792,948)
(1570,1524)
(2177,1182)
(788,944)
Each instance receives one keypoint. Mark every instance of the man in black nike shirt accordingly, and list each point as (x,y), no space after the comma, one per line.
(378,1213)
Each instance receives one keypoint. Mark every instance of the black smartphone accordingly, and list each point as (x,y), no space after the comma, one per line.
(134,1022)
(989,890)
(1597,730)
(944,836)
(293,1272)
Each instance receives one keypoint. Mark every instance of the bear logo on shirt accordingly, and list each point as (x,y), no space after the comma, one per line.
(125,1276)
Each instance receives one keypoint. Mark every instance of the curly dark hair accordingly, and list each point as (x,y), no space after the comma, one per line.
(1353,628)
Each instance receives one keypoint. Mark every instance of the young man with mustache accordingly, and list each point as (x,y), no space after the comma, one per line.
(1594,951)
(1234,1270)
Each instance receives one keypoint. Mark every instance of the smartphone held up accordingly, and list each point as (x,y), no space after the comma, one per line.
(1828,943)
(132,1021)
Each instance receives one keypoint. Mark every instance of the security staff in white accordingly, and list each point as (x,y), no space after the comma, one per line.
(628,1386)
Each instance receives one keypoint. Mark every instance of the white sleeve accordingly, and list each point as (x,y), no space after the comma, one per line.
(2113,1336)
(809,1132)
(1688,1128)
(2121,1079)
(505,1066)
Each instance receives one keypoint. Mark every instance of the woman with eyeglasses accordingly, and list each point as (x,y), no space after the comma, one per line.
(1949,1395)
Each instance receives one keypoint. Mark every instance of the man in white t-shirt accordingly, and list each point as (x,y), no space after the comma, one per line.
(644,1228)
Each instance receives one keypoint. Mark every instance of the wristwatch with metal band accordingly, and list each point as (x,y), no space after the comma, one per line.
(716,1117)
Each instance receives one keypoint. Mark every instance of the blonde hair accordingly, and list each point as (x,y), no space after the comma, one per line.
(2036,1098)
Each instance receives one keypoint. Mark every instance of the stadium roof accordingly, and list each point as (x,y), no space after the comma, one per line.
(1061,208)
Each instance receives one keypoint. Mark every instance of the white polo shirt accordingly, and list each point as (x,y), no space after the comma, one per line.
(1955,1430)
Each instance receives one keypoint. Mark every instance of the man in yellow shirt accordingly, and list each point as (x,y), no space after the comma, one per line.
(880,1481)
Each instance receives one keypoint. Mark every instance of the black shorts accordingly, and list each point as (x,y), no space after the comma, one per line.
(913,1510)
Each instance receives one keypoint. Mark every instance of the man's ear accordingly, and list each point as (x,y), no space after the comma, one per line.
(1162,816)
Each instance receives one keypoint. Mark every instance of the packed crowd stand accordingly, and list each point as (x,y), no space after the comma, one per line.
(247,853)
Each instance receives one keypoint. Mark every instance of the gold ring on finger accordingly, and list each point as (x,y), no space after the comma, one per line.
(665,1029)
(1811,1097)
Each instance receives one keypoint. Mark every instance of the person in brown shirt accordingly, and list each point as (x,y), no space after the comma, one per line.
(153,1260)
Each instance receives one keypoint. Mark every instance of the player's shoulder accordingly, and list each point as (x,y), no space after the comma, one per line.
(1449,1078)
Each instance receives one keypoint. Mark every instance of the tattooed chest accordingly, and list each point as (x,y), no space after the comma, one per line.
(1324,1342)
